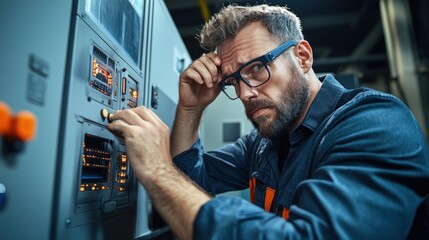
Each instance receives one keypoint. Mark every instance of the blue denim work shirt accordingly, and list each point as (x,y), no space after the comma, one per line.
(357,168)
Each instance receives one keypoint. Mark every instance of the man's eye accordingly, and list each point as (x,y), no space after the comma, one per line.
(257,67)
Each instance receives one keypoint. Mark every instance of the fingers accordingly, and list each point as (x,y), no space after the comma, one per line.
(154,115)
(205,70)
(127,116)
(148,115)
(211,62)
(143,113)
(158,121)
(118,128)
(121,122)
(135,116)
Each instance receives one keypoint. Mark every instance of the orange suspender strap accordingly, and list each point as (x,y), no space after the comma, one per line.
(269,196)
(252,189)
(285,213)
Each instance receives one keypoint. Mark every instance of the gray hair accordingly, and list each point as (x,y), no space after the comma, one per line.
(280,22)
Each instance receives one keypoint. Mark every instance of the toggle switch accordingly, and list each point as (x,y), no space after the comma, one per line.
(105,115)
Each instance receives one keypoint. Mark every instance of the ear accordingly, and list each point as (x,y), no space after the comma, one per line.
(304,55)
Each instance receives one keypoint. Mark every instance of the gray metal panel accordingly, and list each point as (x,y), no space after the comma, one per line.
(166,57)
(166,108)
(83,215)
(169,55)
(40,28)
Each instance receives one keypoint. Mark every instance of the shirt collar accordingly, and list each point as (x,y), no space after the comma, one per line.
(324,103)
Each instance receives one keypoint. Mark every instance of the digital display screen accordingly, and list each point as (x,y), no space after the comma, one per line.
(99,71)
(91,175)
(96,163)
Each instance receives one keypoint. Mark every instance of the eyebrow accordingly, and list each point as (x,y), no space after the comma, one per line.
(239,65)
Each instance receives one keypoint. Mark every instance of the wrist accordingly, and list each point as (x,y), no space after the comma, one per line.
(150,175)
(190,110)
(189,114)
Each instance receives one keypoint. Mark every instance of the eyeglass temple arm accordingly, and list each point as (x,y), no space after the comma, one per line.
(276,52)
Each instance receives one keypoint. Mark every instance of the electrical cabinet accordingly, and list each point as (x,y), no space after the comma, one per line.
(64,63)
(167,57)
(33,46)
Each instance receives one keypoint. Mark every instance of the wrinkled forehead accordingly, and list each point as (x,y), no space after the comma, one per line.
(238,51)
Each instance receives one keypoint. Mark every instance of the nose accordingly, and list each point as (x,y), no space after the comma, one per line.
(246,92)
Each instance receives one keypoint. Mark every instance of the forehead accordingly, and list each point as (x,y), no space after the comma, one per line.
(252,41)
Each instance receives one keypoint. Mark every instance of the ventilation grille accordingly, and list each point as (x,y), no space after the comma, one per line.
(100,55)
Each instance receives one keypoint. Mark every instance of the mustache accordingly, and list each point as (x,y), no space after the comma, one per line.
(253,105)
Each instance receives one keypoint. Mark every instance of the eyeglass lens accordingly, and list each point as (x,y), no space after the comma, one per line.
(254,75)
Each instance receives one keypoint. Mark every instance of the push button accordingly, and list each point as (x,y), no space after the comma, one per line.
(16,129)
(105,115)
(24,126)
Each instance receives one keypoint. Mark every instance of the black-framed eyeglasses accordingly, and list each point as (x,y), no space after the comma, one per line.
(254,73)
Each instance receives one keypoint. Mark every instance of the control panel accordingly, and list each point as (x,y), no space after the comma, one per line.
(105,179)
(95,183)
(129,90)
(87,59)
(103,82)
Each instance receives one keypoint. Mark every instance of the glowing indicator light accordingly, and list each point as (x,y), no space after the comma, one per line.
(134,94)
(109,79)
(94,67)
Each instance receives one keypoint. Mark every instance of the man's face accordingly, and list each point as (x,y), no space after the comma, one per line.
(274,107)
(286,108)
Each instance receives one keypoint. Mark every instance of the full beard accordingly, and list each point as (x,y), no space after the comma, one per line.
(292,102)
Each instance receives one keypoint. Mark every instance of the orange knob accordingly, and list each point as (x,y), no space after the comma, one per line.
(24,126)
(5,118)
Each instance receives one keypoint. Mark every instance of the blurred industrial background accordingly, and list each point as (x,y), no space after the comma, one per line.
(382,44)
(345,35)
